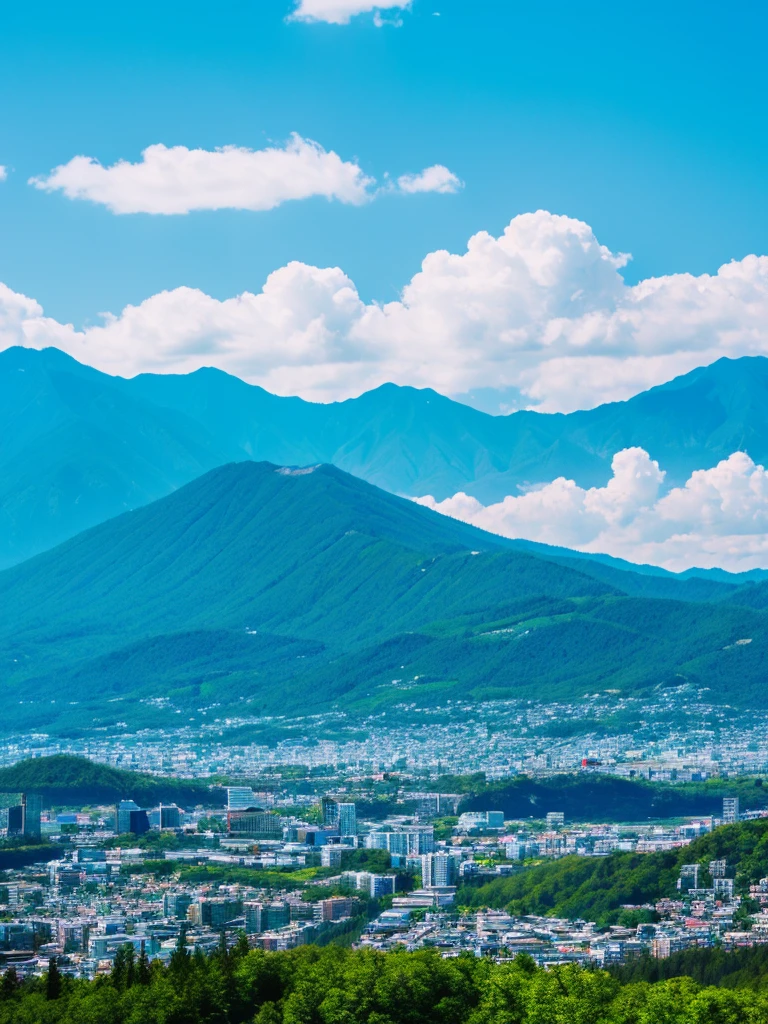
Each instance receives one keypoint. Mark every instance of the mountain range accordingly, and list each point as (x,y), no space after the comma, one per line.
(263,590)
(78,446)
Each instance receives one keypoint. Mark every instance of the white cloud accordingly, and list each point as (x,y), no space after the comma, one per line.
(542,309)
(719,518)
(3,172)
(340,12)
(431,179)
(178,180)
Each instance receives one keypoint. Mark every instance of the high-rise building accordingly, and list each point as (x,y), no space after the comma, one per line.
(330,812)
(689,877)
(176,905)
(555,819)
(275,915)
(32,805)
(215,913)
(138,822)
(347,820)
(22,814)
(169,816)
(240,798)
(730,809)
(15,821)
(123,816)
(252,911)
(437,870)
(73,935)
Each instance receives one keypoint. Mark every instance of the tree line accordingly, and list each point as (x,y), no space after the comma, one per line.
(335,985)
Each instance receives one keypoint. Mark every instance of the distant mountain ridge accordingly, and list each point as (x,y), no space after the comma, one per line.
(260,590)
(78,446)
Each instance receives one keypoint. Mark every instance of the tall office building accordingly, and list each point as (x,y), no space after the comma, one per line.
(22,814)
(15,821)
(437,870)
(138,822)
(730,809)
(32,805)
(240,798)
(330,812)
(169,816)
(347,820)
(123,816)
(214,912)
(176,905)
(275,915)
(252,912)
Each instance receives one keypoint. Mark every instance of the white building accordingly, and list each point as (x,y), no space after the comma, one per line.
(240,798)
(438,870)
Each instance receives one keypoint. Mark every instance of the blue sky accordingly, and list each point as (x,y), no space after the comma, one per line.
(648,122)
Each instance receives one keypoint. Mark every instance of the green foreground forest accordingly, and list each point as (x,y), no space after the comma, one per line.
(340,986)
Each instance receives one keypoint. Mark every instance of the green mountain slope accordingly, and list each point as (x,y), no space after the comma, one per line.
(261,589)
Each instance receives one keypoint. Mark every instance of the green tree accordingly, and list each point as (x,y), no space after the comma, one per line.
(53,984)
(10,984)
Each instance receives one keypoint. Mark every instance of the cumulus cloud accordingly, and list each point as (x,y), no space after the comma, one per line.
(432,179)
(541,311)
(3,172)
(340,12)
(178,180)
(719,518)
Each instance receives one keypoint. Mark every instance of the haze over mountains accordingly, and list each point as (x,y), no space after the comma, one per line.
(256,589)
(78,446)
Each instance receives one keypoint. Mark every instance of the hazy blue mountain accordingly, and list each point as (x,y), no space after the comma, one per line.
(415,442)
(272,590)
(75,450)
(78,446)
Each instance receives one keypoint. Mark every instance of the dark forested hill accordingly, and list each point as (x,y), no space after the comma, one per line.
(595,797)
(64,780)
